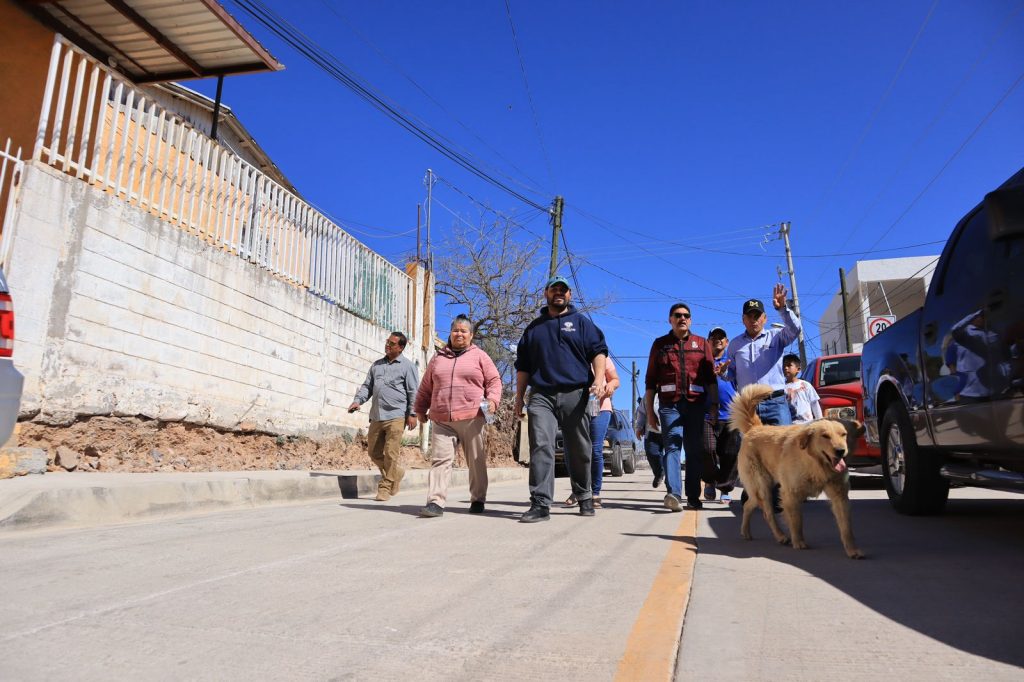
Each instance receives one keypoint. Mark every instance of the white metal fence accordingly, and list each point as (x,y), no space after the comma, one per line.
(99,127)
(11,167)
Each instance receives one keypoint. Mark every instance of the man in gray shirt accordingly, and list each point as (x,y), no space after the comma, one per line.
(392,382)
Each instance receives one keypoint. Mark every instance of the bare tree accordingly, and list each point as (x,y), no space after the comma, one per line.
(496,277)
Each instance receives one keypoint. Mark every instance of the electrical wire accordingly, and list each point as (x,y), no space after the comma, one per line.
(874,116)
(331,65)
(926,131)
(529,94)
(390,62)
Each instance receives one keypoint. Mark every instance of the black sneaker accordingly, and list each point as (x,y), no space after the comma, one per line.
(587,507)
(657,481)
(431,510)
(535,513)
(476,507)
(694,503)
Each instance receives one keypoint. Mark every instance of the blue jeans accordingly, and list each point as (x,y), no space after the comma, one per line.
(775,412)
(682,425)
(598,429)
(655,455)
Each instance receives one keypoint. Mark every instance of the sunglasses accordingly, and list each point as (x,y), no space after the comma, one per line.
(683,315)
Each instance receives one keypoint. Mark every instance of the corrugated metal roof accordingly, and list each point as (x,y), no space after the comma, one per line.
(158,40)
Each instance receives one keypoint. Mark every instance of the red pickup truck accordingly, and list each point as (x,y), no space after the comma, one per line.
(836,378)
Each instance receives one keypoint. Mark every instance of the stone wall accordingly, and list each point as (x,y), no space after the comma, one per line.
(120,313)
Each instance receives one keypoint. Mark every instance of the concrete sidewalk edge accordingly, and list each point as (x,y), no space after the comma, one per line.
(81,502)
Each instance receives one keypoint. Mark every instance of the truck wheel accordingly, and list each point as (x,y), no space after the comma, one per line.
(615,461)
(629,461)
(912,478)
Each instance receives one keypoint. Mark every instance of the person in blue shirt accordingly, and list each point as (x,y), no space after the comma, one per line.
(720,442)
(756,358)
(561,358)
(756,355)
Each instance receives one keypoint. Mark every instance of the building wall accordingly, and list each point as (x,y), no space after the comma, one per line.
(118,312)
(904,282)
(25,47)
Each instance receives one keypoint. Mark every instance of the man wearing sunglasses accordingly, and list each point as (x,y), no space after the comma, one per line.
(681,371)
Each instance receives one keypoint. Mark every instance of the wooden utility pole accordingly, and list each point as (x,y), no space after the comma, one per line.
(429,180)
(556,229)
(784,231)
(846,319)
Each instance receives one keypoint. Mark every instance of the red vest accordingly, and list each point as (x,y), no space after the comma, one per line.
(668,355)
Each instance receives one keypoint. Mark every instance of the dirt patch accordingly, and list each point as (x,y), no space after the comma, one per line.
(132,444)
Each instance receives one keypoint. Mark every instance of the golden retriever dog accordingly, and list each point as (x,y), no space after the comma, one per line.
(804,459)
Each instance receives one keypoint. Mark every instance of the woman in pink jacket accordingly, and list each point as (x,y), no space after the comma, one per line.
(458,382)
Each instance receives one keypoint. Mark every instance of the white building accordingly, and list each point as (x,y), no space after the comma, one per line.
(890,286)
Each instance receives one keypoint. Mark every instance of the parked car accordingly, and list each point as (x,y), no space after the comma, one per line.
(944,386)
(836,378)
(11,380)
(620,448)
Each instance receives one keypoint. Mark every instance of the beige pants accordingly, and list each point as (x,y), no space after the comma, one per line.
(443,437)
(384,441)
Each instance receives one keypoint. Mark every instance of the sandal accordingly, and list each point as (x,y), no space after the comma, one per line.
(571,501)
(597,502)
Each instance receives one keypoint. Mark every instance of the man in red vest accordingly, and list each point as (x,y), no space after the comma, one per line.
(681,370)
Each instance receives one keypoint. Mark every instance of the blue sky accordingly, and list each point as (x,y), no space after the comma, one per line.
(688,122)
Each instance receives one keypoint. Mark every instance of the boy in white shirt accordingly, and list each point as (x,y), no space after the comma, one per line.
(804,403)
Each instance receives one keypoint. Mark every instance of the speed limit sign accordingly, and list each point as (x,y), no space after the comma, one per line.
(878,323)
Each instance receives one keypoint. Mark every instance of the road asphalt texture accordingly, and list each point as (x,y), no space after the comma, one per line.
(342,587)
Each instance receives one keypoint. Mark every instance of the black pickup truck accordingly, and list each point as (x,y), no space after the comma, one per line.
(944,386)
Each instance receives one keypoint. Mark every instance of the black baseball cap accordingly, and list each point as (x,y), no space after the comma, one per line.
(751,305)
(718,330)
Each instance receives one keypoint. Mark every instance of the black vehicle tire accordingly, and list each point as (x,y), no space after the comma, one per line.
(615,461)
(629,461)
(911,477)
(561,471)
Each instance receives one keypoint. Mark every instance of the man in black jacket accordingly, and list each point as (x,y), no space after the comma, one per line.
(561,357)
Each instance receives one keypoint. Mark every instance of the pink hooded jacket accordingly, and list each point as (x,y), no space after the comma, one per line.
(453,385)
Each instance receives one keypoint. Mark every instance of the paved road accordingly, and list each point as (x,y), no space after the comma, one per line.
(359,590)
(938,598)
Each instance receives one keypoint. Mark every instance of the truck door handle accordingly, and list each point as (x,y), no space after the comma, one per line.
(928,332)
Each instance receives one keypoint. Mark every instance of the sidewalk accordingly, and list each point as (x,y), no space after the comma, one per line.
(58,500)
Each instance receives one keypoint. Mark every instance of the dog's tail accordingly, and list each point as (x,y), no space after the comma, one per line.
(743,409)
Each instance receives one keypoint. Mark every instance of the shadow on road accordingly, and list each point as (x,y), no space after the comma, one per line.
(955,578)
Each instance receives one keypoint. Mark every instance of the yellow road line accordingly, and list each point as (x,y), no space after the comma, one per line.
(654,642)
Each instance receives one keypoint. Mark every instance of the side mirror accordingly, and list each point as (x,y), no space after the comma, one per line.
(1005,211)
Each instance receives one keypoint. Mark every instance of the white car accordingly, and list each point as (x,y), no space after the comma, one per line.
(11,380)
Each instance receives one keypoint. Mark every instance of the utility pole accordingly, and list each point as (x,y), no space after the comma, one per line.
(429,181)
(556,229)
(784,231)
(846,319)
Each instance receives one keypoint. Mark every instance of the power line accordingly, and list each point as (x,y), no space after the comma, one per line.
(529,94)
(940,112)
(874,115)
(959,149)
(520,224)
(337,70)
(390,62)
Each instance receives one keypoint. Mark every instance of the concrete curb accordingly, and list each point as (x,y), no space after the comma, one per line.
(65,500)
